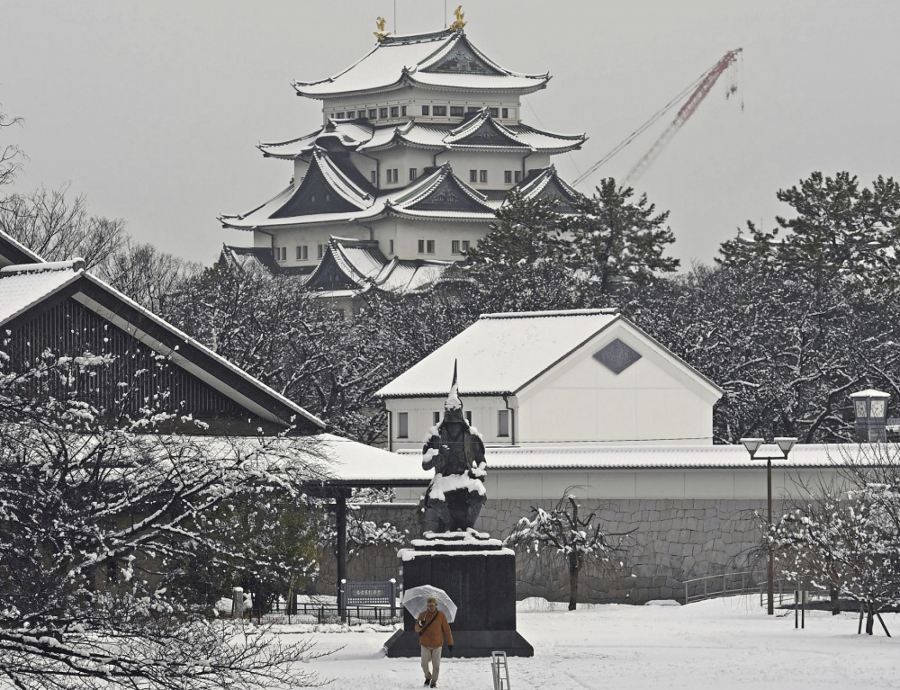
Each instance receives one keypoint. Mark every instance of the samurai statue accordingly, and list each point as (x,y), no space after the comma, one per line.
(456,453)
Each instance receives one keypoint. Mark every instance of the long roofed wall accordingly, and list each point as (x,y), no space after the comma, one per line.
(421,142)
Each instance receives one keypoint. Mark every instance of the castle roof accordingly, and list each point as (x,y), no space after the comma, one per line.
(351,264)
(480,133)
(324,196)
(442,60)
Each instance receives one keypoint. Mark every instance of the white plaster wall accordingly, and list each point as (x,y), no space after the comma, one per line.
(291,237)
(407,233)
(413,99)
(652,401)
(717,483)
(495,164)
(484,411)
(402,158)
(300,168)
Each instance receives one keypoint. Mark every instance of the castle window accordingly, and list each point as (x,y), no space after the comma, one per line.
(390,246)
(374,177)
(503,423)
(340,116)
(302,253)
(482,175)
(505,112)
(320,251)
(395,111)
(413,174)
(373,113)
(473,176)
(507,176)
(426,246)
(494,112)
(436,418)
(465,245)
(469,416)
(454,247)
(517,176)
(382,112)
(456,111)
(403,425)
(403,110)
(426,110)
(351,114)
(440,110)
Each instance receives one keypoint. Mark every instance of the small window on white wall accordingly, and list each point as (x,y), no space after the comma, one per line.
(403,425)
(469,416)
(503,423)
(436,418)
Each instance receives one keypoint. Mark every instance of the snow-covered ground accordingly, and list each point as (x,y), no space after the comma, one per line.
(720,644)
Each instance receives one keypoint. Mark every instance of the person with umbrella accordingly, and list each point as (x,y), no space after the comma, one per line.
(433,630)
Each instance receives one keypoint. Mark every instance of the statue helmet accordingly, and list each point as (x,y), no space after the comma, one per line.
(453,407)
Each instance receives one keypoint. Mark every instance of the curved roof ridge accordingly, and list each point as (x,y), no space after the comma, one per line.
(340,182)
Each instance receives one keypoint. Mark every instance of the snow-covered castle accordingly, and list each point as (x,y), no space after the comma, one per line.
(421,142)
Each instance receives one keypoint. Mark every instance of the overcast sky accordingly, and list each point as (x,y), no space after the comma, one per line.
(153,109)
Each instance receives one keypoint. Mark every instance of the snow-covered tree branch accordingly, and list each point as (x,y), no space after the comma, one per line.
(576,536)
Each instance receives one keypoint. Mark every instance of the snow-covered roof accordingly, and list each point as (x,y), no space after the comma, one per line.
(501,353)
(25,285)
(361,136)
(437,196)
(357,464)
(443,60)
(649,457)
(360,265)
(14,252)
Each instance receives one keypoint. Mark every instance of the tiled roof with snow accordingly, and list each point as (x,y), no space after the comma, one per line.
(648,457)
(23,286)
(417,200)
(360,136)
(425,60)
(531,343)
(361,263)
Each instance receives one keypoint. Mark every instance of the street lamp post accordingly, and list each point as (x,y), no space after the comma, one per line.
(785,444)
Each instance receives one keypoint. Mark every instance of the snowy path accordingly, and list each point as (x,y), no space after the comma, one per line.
(719,644)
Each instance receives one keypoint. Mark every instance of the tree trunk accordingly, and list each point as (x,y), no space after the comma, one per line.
(870,618)
(573,582)
(834,593)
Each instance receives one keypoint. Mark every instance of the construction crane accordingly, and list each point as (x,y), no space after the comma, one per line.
(701,87)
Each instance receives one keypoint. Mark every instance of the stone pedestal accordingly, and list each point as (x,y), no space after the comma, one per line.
(480,576)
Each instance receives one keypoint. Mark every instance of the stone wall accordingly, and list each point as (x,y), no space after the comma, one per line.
(671,540)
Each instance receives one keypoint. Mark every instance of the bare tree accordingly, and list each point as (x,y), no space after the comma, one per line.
(10,154)
(146,274)
(57,227)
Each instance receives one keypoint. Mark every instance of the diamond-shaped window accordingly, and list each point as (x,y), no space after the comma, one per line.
(617,356)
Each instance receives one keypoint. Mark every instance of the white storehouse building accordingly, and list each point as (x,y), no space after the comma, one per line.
(575,377)
(421,141)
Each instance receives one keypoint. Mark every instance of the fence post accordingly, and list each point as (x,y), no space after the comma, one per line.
(393,597)
(237,602)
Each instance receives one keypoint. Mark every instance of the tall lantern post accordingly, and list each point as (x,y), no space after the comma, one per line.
(785,444)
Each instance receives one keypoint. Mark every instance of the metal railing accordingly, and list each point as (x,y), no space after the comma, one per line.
(784,592)
(315,613)
(724,585)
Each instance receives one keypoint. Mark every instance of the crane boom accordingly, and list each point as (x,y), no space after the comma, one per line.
(684,114)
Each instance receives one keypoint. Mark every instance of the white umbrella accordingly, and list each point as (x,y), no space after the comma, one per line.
(416,598)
